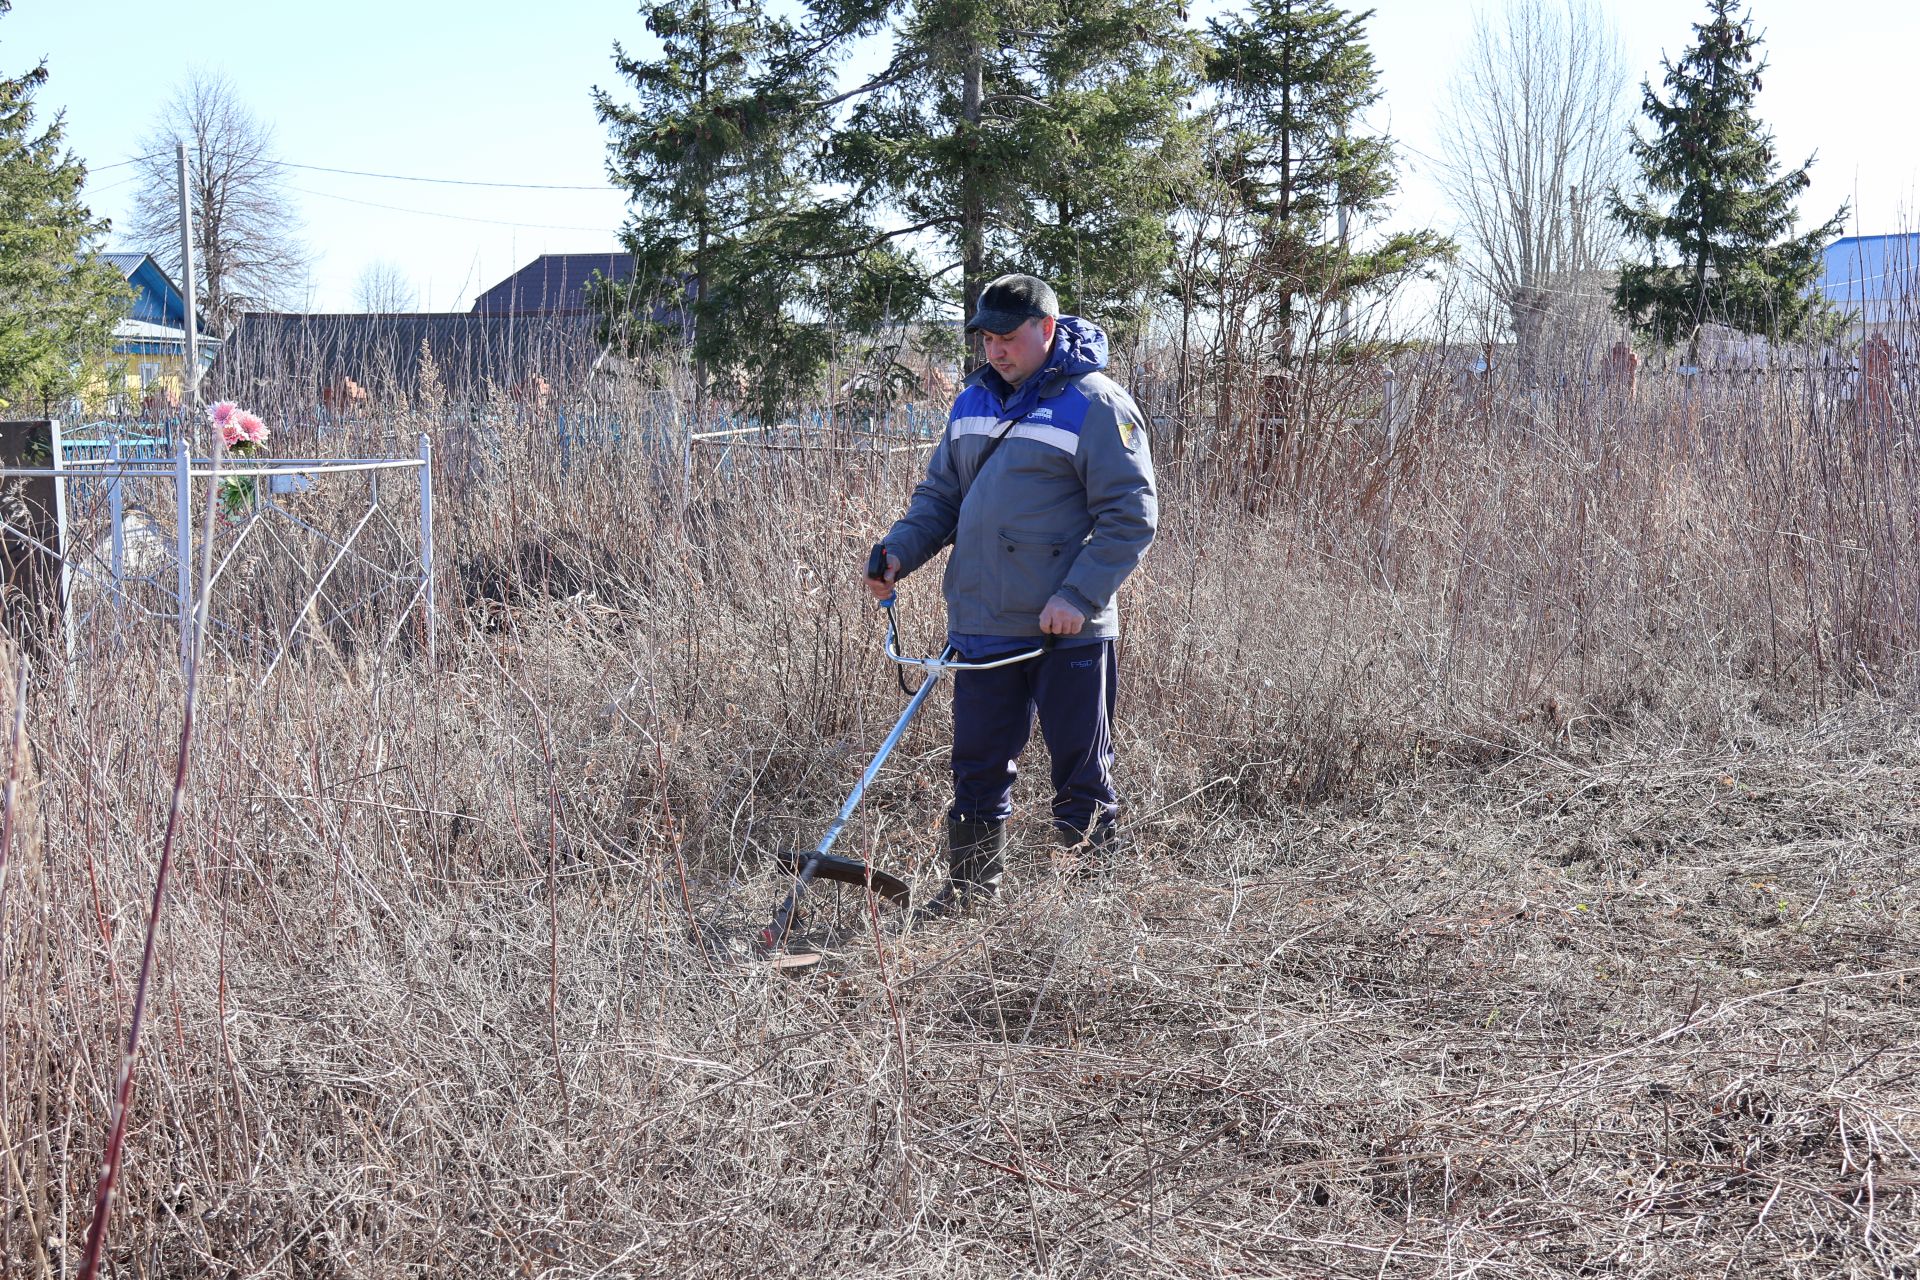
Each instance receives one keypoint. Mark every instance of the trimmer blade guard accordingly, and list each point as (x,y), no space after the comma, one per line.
(848,871)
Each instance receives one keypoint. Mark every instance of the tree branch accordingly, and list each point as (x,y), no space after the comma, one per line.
(877,241)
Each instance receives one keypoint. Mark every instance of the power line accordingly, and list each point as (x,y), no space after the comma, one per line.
(391,177)
(112,186)
(455,217)
(450,182)
(121,164)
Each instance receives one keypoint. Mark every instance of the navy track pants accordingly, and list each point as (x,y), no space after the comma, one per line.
(1072,690)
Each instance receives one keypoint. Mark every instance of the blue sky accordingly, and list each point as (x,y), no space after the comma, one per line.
(484,89)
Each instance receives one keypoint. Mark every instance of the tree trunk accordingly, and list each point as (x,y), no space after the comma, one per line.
(1284,355)
(973,201)
(1183,377)
(699,291)
(699,281)
(1529,313)
(1699,301)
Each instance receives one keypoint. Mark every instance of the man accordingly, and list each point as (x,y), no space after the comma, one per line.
(1044,486)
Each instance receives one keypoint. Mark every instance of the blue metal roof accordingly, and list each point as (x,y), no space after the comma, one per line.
(156,299)
(1872,275)
(552,284)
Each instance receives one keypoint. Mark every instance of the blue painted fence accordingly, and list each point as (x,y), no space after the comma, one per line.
(89,442)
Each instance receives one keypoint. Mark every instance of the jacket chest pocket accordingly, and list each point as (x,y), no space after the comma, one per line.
(1031,567)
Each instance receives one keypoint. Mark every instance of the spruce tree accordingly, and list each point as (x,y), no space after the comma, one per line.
(1032,135)
(730,234)
(1107,159)
(1293,79)
(1715,218)
(58,300)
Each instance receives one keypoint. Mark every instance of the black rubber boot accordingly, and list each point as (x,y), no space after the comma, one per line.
(1091,852)
(976,859)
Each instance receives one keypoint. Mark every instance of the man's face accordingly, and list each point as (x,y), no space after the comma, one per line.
(1017,356)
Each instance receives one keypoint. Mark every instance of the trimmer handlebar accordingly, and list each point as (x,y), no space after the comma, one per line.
(946,662)
(877,572)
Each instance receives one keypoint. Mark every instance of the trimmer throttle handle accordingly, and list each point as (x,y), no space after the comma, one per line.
(877,562)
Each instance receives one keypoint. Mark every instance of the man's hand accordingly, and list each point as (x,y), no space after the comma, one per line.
(883,587)
(1061,619)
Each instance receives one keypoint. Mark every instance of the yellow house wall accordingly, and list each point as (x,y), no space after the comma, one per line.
(170,371)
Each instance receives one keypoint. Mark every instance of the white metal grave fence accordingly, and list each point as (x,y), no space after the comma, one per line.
(119,560)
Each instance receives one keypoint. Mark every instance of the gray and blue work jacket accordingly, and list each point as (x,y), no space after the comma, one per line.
(1065,505)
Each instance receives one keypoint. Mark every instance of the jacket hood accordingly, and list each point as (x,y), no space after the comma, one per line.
(1079,347)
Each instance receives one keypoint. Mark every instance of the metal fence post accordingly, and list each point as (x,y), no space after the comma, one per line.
(117,515)
(183,539)
(63,572)
(426,540)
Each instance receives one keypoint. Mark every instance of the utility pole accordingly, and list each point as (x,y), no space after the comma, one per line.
(190,371)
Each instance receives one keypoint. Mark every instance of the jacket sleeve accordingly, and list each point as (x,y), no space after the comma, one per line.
(1117,469)
(932,514)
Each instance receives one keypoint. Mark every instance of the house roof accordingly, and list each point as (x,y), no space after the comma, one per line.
(144,338)
(1874,275)
(552,284)
(271,355)
(156,299)
(146,330)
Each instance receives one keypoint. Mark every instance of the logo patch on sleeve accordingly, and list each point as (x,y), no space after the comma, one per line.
(1128,432)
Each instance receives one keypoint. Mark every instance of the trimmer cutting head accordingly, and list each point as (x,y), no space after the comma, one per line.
(805,868)
(828,866)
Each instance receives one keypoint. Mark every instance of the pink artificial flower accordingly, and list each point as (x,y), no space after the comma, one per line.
(232,434)
(222,413)
(253,429)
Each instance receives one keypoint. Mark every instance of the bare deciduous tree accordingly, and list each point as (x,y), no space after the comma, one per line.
(246,234)
(1534,141)
(384,289)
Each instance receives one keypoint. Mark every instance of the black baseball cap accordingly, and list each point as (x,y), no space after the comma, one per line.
(1011,301)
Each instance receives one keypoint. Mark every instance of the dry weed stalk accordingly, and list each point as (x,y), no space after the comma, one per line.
(123,1093)
(14,821)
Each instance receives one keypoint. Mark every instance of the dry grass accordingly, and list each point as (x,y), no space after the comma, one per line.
(1524,888)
